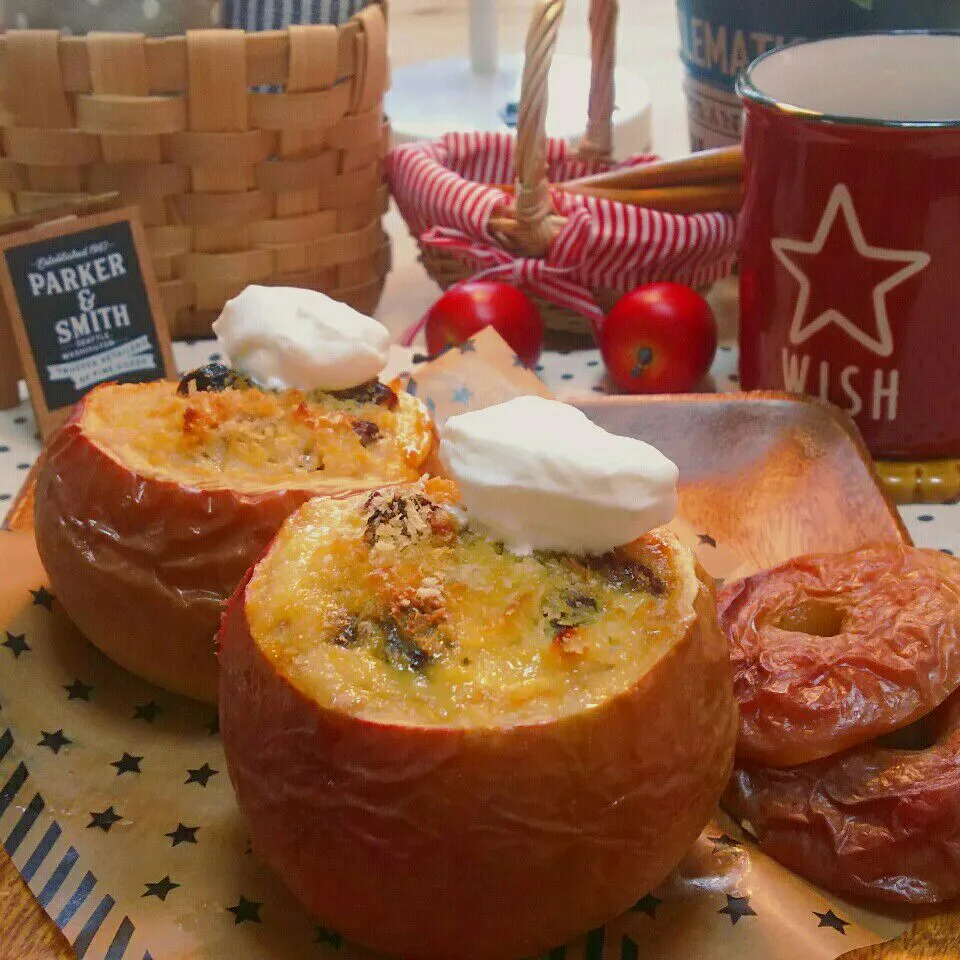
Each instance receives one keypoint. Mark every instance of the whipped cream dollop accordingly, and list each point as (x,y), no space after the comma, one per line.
(284,337)
(540,475)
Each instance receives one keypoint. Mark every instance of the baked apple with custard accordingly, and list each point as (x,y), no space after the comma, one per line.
(448,745)
(154,499)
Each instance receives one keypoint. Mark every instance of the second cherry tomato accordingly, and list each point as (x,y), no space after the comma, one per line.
(659,338)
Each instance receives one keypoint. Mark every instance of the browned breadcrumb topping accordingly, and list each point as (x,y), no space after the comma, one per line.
(402,518)
(390,598)
(247,437)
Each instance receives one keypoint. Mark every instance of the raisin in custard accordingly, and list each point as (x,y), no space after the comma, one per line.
(390,607)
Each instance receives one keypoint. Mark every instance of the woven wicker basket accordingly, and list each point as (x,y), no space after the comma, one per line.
(447,192)
(254,158)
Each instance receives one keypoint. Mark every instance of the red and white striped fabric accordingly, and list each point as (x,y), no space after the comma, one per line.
(443,191)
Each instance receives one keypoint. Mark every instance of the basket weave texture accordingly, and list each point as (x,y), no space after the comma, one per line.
(253,157)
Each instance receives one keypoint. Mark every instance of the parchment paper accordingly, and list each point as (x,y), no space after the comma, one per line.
(116,807)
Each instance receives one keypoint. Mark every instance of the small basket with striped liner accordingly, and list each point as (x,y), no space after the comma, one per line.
(254,157)
(575,254)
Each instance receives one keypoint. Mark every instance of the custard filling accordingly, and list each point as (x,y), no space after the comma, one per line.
(246,438)
(388,606)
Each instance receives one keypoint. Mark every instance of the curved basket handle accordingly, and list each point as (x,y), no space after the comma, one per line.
(597,142)
(533,207)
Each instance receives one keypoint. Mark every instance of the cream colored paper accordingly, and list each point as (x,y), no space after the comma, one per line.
(90,746)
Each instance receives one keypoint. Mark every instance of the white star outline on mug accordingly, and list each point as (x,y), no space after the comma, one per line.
(841,201)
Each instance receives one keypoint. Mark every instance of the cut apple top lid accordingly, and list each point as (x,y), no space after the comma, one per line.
(283,337)
(540,475)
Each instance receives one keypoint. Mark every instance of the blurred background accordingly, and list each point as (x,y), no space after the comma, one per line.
(647,43)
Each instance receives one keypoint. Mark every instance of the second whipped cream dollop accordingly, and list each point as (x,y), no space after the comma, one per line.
(285,337)
(540,475)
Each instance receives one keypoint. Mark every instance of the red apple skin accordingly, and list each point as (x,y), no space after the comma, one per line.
(428,843)
(659,338)
(144,566)
(467,308)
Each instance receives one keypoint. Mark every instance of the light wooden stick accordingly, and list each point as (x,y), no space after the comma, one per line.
(698,198)
(708,166)
(694,199)
(679,200)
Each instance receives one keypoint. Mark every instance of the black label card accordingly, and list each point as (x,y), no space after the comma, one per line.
(86,311)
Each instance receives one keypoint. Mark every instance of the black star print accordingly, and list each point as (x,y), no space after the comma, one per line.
(246,910)
(706,539)
(78,690)
(127,764)
(104,820)
(647,905)
(43,598)
(468,346)
(147,711)
(724,840)
(182,835)
(419,358)
(201,775)
(213,727)
(161,888)
(328,936)
(16,643)
(55,741)
(830,919)
(737,908)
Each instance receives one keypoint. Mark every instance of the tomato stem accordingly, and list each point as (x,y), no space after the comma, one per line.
(644,359)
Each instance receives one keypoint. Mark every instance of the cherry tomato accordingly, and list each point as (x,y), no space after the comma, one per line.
(467,308)
(659,338)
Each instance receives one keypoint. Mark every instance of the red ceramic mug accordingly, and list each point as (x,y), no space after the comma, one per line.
(850,233)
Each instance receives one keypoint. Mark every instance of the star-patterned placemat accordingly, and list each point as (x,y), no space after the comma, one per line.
(116,807)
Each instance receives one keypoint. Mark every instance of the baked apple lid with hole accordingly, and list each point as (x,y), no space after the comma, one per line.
(154,499)
(448,746)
